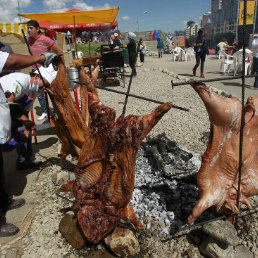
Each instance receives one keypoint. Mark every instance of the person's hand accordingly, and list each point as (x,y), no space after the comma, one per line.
(29,125)
(49,58)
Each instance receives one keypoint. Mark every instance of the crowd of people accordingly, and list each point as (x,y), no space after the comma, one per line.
(17,94)
(225,46)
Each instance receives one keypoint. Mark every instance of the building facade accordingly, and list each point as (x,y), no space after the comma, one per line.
(206,24)
(192,30)
(224,18)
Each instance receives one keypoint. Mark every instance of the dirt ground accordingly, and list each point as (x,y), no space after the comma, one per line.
(19,183)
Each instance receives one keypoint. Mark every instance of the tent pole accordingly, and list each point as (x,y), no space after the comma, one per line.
(74,31)
(90,59)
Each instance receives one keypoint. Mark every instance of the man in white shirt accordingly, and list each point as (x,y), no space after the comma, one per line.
(12,62)
(22,89)
(255,60)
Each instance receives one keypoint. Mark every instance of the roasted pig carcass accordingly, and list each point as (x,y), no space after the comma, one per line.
(107,151)
(217,178)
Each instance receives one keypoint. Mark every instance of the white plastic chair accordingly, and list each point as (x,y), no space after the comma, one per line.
(220,54)
(226,62)
(238,61)
(79,54)
(189,54)
(177,53)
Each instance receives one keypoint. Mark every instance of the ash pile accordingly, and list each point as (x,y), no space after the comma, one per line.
(165,183)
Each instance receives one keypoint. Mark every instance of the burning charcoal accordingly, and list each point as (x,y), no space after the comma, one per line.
(154,155)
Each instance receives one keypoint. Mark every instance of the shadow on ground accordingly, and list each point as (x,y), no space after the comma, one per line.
(236,84)
(186,74)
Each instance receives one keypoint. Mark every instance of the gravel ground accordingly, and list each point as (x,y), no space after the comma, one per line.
(41,236)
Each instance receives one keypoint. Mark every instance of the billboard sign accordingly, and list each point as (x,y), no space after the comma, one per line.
(250,10)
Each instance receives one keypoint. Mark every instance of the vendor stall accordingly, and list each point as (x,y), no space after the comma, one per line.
(76,17)
(65,27)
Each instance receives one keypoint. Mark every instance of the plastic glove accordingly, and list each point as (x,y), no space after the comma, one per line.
(49,58)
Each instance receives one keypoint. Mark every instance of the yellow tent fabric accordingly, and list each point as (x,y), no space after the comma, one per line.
(94,16)
(15,28)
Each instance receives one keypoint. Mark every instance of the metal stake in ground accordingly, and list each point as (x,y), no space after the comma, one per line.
(135,96)
(174,84)
(127,95)
(242,114)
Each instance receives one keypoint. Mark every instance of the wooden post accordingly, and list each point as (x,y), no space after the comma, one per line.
(74,31)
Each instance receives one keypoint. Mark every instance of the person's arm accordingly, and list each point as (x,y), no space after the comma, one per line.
(56,49)
(10,97)
(194,43)
(197,44)
(15,61)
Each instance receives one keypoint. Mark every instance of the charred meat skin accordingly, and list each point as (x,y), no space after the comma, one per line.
(218,176)
(107,150)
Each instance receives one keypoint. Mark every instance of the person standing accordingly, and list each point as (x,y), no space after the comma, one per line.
(160,47)
(12,62)
(39,43)
(223,45)
(255,60)
(142,50)
(132,52)
(201,50)
(116,41)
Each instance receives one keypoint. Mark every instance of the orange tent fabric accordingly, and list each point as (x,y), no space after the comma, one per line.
(94,16)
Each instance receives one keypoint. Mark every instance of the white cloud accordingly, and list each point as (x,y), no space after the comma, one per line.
(126,18)
(54,6)
(105,6)
(61,5)
(82,6)
(9,9)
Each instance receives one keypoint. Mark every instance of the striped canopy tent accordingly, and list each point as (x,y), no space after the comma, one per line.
(7,28)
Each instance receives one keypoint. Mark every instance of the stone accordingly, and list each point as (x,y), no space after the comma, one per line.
(61,177)
(138,64)
(127,70)
(222,231)
(146,69)
(242,251)
(70,231)
(100,253)
(123,242)
(213,249)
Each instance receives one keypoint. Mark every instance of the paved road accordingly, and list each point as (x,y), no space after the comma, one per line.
(211,70)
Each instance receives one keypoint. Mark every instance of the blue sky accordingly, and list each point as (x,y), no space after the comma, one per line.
(167,15)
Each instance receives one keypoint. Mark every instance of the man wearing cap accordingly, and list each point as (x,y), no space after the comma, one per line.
(39,43)
(12,62)
(22,88)
(116,41)
(132,52)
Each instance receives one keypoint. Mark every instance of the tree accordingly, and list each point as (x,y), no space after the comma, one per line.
(189,42)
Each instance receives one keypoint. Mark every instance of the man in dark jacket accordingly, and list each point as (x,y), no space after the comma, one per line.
(132,52)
